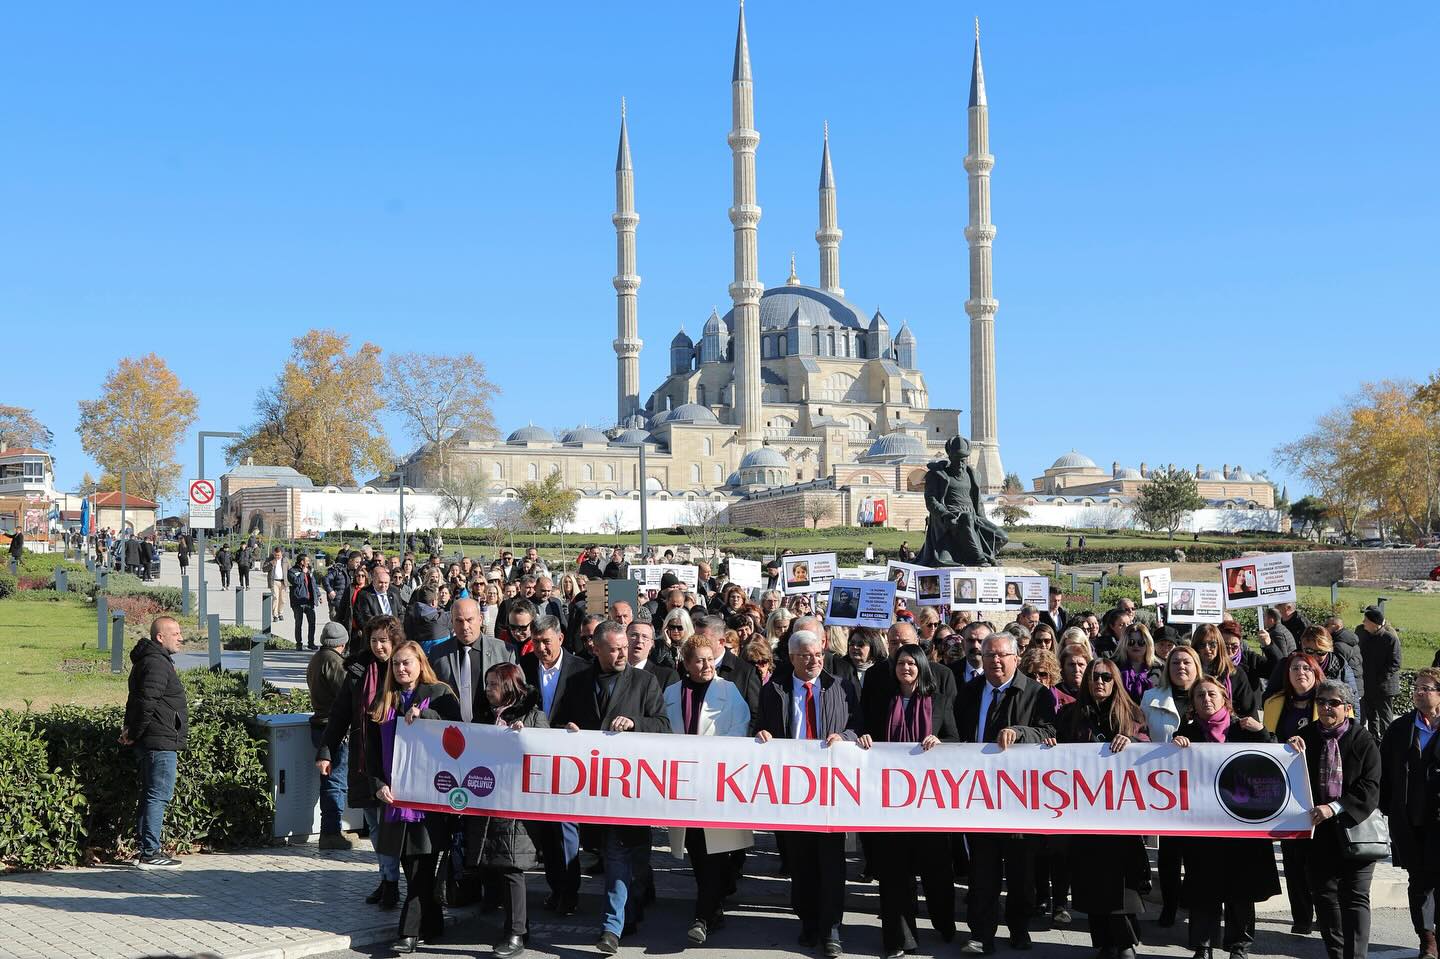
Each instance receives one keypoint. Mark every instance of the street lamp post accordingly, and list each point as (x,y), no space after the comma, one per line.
(644,518)
(200,541)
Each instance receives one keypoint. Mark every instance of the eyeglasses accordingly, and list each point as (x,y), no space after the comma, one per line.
(520,627)
(675,627)
(1427,689)
(1136,641)
(995,655)
(1330,703)
(809,656)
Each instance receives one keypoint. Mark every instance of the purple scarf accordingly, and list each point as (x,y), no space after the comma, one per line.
(387,752)
(1135,679)
(910,724)
(692,697)
(1332,775)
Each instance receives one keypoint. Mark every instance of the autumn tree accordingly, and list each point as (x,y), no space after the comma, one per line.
(88,484)
(136,426)
(439,394)
(1166,501)
(1334,466)
(321,416)
(19,427)
(549,503)
(1011,514)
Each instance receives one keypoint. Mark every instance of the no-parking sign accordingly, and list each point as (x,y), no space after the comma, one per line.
(202,504)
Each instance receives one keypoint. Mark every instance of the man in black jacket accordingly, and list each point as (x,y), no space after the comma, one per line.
(1002,706)
(1380,648)
(157,723)
(379,598)
(304,594)
(224,561)
(611,696)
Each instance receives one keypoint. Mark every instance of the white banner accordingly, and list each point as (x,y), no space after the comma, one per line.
(807,573)
(1195,603)
(746,573)
(733,782)
(1155,586)
(861,602)
(1259,580)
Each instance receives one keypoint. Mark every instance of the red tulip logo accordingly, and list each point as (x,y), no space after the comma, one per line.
(454,741)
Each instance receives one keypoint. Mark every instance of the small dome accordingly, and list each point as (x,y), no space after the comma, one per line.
(1212,475)
(583,434)
(878,323)
(764,456)
(1240,476)
(1128,473)
(733,480)
(635,421)
(905,336)
(470,435)
(712,325)
(682,340)
(531,434)
(896,444)
(1073,460)
(630,438)
(691,413)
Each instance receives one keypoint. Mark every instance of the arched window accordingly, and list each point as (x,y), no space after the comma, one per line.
(610,473)
(534,471)
(589,472)
(719,474)
(709,446)
(495,470)
(830,344)
(817,343)
(767,347)
(700,394)
(695,473)
(554,469)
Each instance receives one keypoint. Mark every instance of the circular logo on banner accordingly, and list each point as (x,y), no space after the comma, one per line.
(1252,787)
(459,799)
(480,781)
(445,781)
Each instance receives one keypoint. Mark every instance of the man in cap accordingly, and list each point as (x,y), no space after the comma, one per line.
(324,675)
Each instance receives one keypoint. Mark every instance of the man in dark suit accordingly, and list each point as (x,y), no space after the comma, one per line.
(812,704)
(379,598)
(611,696)
(1002,706)
(642,644)
(462,661)
(550,670)
(1055,616)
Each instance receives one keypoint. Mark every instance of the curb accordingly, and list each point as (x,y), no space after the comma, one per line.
(319,945)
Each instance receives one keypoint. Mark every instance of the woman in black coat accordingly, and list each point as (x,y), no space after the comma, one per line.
(505,848)
(1109,871)
(1216,661)
(1410,799)
(1344,765)
(1224,876)
(901,705)
(364,676)
(411,692)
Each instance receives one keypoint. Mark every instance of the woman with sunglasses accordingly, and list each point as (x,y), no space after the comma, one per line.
(1216,661)
(1043,636)
(1344,765)
(1410,799)
(1166,709)
(1114,868)
(1245,660)
(675,629)
(1290,710)
(1224,878)
(1139,669)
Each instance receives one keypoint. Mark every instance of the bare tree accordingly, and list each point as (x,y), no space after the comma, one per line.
(462,496)
(615,523)
(819,508)
(702,516)
(504,518)
(438,394)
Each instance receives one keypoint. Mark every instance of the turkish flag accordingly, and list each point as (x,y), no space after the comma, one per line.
(880,513)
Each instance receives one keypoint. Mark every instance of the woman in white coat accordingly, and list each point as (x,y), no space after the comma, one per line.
(702,704)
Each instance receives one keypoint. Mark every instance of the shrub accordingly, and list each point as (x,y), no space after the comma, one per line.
(8,585)
(41,809)
(168,598)
(34,582)
(139,610)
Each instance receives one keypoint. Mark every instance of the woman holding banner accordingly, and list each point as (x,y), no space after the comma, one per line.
(1112,869)
(1344,765)
(703,704)
(1167,708)
(1224,878)
(411,692)
(904,705)
(1290,710)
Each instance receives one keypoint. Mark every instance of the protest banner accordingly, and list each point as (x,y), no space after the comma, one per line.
(932,586)
(1259,580)
(1195,603)
(903,576)
(746,573)
(1155,586)
(734,782)
(807,573)
(1022,590)
(981,590)
(861,602)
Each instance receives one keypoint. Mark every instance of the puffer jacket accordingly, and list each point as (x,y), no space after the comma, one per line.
(156,714)
(493,841)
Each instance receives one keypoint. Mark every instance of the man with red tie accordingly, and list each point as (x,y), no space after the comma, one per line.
(812,704)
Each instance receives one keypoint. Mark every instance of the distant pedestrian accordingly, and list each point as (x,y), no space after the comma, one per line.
(244,560)
(275,572)
(182,553)
(157,724)
(324,676)
(304,592)
(224,561)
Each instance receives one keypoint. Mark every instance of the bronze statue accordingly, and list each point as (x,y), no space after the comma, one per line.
(957,532)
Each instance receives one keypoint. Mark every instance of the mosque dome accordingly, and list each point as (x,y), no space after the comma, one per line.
(531,434)
(630,438)
(810,307)
(712,325)
(583,434)
(896,444)
(878,323)
(1212,475)
(682,340)
(905,336)
(764,456)
(1073,460)
(470,435)
(691,413)
(1238,475)
(1128,472)
(733,480)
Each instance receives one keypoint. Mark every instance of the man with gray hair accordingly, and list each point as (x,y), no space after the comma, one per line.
(462,661)
(324,675)
(812,704)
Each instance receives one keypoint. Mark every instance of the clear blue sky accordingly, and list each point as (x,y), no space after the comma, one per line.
(1213,220)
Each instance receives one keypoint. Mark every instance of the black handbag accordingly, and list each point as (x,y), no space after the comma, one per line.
(1368,841)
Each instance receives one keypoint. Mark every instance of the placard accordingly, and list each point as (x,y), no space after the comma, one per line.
(807,573)
(979,590)
(1259,580)
(648,577)
(1155,586)
(932,586)
(903,576)
(1027,590)
(746,573)
(861,602)
(1195,603)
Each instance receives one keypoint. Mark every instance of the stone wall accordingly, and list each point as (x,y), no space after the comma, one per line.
(1323,567)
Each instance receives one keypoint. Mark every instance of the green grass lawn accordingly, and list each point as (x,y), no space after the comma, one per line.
(1415,615)
(50,656)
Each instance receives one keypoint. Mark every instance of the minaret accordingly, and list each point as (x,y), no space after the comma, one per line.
(979,233)
(745,217)
(627,329)
(828,236)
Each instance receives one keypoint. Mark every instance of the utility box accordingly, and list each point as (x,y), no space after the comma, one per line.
(294,780)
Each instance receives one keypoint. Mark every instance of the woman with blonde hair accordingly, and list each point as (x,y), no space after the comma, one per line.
(1209,643)
(410,692)
(777,625)
(675,628)
(837,640)
(569,587)
(1139,669)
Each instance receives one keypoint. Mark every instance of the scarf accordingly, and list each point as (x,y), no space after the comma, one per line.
(1332,775)
(912,722)
(387,752)
(1239,652)
(1135,679)
(1216,726)
(692,697)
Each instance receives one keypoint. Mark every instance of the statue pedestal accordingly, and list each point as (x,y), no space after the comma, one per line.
(1018,571)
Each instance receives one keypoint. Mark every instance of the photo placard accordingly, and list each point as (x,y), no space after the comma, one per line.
(1155,586)
(1259,580)
(932,586)
(1196,603)
(807,573)
(1027,590)
(861,602)
(903,576)
(980,590)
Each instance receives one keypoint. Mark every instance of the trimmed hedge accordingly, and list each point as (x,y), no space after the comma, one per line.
(68,791)
(9,586)
(168,598)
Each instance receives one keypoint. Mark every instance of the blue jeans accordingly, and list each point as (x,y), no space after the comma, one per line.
(333,787)
(157,788)
(620,863)
(389,865)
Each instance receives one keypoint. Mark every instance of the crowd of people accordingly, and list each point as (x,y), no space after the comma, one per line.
(503,643)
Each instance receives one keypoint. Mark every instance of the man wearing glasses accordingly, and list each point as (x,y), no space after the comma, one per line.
(519,628)
(1003,706)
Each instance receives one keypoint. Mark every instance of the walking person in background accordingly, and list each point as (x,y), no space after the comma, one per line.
(304,592)
(157,724)
(324,677)
(275,572)
(1380,656)
(1410,800)
(182,553)
(223,561)
(244,559)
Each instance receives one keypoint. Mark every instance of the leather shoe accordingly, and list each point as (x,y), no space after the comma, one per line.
(808,939)
(831,948)
(979,947)
(608,943)
(1021,941)
(404,945)
(698,932)
(1302,928)
(375,896)
(509,948)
